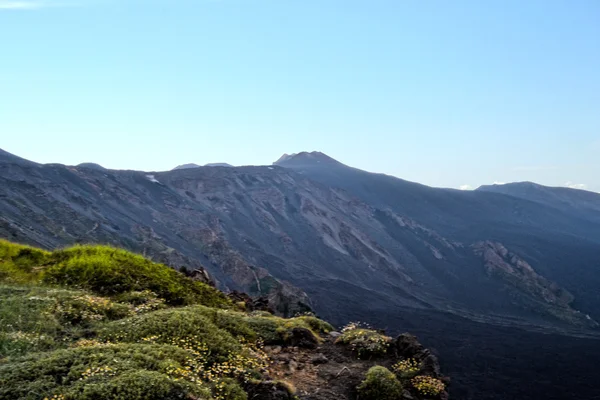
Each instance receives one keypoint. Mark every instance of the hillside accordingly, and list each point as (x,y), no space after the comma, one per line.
(560,241)
(101,323)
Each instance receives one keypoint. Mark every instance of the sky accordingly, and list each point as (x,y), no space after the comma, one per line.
(446,93)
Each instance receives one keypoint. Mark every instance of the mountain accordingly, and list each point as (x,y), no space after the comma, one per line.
(313,232)
(91,166)
(186,166)
(560,241)
(251,228)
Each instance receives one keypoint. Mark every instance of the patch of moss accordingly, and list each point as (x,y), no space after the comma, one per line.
(380,384)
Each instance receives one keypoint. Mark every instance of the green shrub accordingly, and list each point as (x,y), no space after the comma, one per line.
(85,308)
(143,301)
(19,263)
(109,271)
(139,385)
(364,342)
(234,322)
(26,323)
(315,324)
(275,330)
(85,372)
(171,326)
(17,343)
(266,328)
(380,384)
(228,389)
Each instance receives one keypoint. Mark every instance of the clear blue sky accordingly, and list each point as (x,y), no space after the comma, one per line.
(447,93)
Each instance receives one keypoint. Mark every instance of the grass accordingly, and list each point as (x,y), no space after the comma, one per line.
(93,322)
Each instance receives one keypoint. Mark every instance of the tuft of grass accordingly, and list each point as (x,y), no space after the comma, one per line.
(380,384)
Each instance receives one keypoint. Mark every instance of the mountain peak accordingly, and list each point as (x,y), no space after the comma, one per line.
(186,166)
(218,165)
(90,165)
(305,157)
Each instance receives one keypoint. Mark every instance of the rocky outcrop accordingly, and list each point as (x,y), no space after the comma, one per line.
(250,303)
(407,346)
(327,371)
(519,275)
(501,263)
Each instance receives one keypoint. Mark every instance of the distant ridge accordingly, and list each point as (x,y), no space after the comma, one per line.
(218,165)
(192,166)
(92,166)
(186,166)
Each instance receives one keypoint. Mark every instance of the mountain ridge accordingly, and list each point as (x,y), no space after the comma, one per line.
(353,245)
(217,215)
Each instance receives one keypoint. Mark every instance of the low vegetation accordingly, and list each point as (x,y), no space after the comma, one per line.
(427,385)
(93,322)
(364,341)
(407,368)
(380,384)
